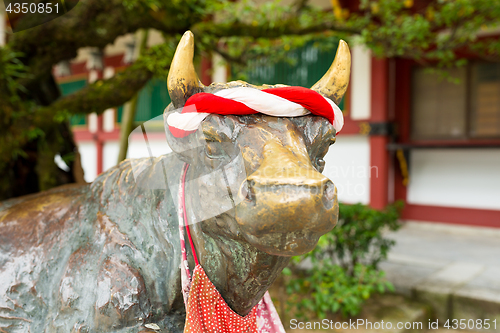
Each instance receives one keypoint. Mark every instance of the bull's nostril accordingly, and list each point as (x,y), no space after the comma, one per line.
(315,190)
(328,195)
(247,190)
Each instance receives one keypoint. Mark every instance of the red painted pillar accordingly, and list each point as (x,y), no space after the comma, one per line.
(379,156)
(99,145)
(206,70)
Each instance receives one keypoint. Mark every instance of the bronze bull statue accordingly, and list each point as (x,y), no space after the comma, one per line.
(105,257)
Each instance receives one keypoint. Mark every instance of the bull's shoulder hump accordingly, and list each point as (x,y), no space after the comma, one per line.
(144,180)
(138,174)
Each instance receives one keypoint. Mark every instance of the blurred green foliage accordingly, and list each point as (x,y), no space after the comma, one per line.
(11,70)
(342,271)
(430,32)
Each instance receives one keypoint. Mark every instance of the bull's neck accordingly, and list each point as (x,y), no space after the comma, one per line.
(239,271)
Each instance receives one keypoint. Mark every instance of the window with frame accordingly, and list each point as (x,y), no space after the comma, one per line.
(469,109)
(485,101)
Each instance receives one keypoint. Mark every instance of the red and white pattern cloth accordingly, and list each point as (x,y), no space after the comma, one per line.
(278,102)
(206,310)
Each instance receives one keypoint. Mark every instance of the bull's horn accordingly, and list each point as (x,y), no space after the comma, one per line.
(182,79)
(334,83)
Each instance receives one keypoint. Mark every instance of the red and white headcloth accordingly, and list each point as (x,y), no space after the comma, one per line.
(278,102)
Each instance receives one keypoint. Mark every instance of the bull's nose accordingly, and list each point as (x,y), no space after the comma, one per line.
(286,216)
(286,204)
(328,195)
(324,189)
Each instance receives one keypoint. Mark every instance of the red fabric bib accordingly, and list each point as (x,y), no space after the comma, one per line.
(208,312)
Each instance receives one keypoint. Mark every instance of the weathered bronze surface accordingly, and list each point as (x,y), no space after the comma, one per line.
(105,257)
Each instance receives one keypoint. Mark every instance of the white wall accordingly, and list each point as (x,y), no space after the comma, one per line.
(348,167)
(88,155)
(157,139)
(219,73)
(110,154)
(137,148)
(361,83)
(466,178)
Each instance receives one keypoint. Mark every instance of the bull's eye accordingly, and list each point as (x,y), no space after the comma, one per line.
(318,161)
(219,153)
(215,150)
(320,164)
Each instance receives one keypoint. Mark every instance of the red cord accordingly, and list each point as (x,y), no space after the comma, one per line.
(186,224)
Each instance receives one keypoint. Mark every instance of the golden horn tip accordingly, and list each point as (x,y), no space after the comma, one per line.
(334,83)
(182,80)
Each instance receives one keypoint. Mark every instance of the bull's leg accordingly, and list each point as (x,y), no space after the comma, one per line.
(100,297)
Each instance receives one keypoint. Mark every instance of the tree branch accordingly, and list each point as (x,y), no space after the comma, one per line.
(229,58)
(92,23)
(99,96)
(287,27)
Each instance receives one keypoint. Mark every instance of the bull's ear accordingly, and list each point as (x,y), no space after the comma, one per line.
(182,79)
(334,83)
(185,147)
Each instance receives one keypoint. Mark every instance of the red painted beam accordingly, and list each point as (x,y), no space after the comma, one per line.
(82,135)
(455,215)
(85,135)
(350,127)
(457,142)
(114,61)
(79,68)
(109,136)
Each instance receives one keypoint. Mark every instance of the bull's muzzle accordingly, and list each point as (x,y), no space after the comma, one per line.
(286,203)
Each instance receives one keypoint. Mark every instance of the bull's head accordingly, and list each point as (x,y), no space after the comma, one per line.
(285,203)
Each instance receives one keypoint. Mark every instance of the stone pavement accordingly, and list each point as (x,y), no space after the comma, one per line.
(456,269)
